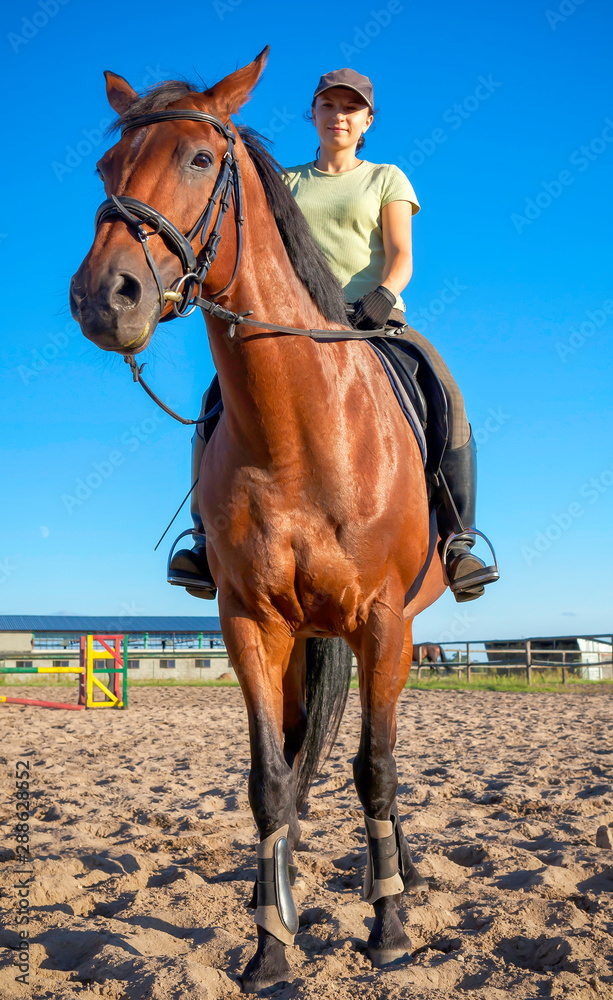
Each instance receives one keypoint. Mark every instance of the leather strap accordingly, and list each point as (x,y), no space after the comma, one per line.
(179,114)
(242,319)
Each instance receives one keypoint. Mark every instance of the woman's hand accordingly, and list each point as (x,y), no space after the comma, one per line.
(371,311)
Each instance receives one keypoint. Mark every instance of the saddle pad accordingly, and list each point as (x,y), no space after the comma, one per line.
(401,375)
(413,368)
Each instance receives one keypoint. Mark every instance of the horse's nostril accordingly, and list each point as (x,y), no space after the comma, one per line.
(127,292)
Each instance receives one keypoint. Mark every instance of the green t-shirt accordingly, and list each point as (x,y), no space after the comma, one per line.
(344,214)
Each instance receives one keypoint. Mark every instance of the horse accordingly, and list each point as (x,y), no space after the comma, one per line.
(312,487)
(432,653)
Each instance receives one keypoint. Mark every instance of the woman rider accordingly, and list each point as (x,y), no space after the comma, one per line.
(360,215)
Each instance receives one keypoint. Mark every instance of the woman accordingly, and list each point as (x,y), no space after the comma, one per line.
(360,215)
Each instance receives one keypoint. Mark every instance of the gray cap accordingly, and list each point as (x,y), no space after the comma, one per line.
(346,78)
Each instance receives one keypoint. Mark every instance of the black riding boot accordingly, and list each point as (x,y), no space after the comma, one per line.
(189,568)
(467,574)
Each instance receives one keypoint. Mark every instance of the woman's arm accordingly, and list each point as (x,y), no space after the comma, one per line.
(396,226)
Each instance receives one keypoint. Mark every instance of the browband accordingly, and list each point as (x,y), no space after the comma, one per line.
(181,114)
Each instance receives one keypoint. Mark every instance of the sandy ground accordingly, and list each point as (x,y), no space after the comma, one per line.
(143,842)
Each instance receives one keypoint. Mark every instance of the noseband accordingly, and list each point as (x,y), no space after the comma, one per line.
(134,212)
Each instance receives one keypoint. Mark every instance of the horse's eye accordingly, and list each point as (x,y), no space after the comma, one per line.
(203,160)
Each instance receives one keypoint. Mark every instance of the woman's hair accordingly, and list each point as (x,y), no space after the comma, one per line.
(308,117)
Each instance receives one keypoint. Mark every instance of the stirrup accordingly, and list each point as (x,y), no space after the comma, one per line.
(486,575)
(176,580)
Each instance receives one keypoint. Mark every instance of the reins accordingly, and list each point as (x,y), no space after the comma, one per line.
(185,295)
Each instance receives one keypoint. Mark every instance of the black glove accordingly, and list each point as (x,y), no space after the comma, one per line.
(372,311)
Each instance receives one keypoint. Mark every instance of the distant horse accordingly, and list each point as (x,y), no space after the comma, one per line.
(432,653)
(312,489)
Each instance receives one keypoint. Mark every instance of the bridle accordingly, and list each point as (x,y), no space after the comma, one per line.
(134,212)
(186,295)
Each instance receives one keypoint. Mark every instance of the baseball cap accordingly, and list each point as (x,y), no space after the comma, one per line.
(346,78)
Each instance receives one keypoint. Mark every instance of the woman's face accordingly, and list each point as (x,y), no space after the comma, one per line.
(340,116)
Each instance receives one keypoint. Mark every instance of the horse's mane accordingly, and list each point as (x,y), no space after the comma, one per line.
(308,261)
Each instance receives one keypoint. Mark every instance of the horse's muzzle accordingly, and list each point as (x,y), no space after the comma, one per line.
(115,315)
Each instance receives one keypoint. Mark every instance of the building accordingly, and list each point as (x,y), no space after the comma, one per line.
(184,648)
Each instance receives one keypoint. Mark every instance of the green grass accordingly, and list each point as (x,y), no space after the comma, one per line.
(479,682)
(487,682)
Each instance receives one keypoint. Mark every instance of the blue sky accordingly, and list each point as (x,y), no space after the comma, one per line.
(502,116)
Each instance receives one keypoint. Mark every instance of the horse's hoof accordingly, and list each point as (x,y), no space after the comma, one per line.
(260,975)
(382,957)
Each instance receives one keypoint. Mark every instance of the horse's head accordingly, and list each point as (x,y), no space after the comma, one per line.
(172,167)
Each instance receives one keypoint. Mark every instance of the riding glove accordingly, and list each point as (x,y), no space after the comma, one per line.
(372,311)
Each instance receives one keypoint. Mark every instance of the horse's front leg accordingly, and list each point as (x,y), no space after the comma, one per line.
(413,881)
(383,670)
(259,653)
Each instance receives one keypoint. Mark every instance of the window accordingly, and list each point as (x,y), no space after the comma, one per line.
(133,664)
(61,663)
(23,664)
(203,664)
(167,664)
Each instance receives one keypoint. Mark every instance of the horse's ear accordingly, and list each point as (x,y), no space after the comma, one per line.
(235,90)
(119,92)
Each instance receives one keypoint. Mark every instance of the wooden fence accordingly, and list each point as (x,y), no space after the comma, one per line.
(564,654)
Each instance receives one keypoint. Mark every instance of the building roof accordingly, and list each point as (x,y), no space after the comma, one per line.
(107,624)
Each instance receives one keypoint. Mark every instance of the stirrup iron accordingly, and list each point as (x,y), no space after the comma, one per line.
(486,575)
(178,581)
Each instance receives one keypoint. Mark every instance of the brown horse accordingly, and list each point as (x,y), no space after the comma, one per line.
(313,470)
(431,652)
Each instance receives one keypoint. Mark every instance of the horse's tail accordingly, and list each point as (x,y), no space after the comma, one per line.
(441,653)
(328,673)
